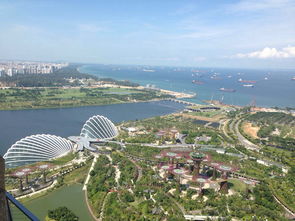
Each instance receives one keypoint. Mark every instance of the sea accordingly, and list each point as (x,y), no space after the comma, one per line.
(271,88)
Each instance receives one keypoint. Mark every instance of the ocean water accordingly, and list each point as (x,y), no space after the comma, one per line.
(272,88)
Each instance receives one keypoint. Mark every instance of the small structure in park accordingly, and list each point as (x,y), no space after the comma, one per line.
(27,171)
(20,175)
(171,156)
(225,171)
(167,169)
(215,166)
(188,165)
(44,168)
(178,173)
(201,181)
(197,158)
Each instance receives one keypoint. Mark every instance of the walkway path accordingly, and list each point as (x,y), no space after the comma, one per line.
(103,205)
(85,188)
(139,169)
(89,208)
(290,213)
(88,176)
(181,208)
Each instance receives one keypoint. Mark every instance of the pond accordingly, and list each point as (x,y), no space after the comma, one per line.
(70,196)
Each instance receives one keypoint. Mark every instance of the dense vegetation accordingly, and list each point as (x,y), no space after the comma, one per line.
(277,129)
(284,188)
(272,118)
(142,151)
(62,214)
(102,180)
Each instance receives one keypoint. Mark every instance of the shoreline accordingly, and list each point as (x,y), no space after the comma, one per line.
(76,106)
(176,95)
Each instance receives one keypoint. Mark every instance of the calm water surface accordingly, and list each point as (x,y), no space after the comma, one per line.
(69,196)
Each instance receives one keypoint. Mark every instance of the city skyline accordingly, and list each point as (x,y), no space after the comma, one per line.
(242,33)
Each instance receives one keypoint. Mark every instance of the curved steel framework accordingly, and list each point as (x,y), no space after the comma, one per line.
(40,147)
(99,127)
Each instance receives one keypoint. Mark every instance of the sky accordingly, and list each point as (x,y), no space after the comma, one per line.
(209,33)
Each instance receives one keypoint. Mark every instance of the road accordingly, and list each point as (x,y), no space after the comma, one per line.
(248,145)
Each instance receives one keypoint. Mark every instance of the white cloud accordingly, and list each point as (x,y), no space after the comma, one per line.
(267,52)
(254,5)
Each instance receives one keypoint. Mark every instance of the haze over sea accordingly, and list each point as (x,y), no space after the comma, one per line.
(273,88)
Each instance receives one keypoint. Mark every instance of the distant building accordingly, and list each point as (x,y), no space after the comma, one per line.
(13,68)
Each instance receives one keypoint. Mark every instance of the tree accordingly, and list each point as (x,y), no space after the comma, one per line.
(62,214)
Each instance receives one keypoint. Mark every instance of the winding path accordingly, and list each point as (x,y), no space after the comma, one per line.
(88,176)
(89,208)
(139,169)
(292,215)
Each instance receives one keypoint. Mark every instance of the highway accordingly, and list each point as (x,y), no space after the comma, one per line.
(248,145)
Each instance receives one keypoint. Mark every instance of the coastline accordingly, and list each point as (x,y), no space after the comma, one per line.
(88,105)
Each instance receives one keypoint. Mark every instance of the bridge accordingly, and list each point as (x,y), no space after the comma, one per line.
(181,102)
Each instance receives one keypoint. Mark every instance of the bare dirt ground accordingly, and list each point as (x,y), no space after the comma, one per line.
(250,130)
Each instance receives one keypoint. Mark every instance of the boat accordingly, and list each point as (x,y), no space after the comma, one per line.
(227,89)
(197,82)
(214,77)
(293,78)
(148,70)
(266,78)
(248,85)
(246,81)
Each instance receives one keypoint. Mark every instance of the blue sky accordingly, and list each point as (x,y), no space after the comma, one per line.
(232,33)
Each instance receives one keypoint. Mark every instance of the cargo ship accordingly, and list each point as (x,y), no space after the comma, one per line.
(227,89)
(197,82)
(148,70)
(248,85)
(246,81)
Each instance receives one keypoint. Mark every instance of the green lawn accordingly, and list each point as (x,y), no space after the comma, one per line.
(17,98)
(238,185)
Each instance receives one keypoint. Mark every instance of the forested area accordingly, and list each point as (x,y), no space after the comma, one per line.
(57,79)
(272,118)
(276,129)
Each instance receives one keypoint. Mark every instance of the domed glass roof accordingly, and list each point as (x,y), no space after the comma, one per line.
(35,148)
(99,127)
